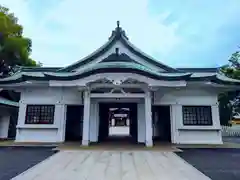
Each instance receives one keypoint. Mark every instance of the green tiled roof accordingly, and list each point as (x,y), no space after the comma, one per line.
(8,102)
(118,67)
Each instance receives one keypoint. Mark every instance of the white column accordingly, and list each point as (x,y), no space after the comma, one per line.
(86,119)
(176,122)
(216,122)
(216,116)
(93,122)
(97,120)
(141,123)
(21,119)
(60,121)
(21,114)
(148,120)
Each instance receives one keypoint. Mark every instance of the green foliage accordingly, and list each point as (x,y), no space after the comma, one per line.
(229,103)
(233,68)
(15,49)
(227,106)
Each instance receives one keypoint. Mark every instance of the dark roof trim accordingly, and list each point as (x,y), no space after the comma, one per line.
(204,78)
(186,77)
(115,57)
(58,69)
(118,70)
(213,70)
(39,69)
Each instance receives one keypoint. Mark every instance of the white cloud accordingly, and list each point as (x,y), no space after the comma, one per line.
(72,29)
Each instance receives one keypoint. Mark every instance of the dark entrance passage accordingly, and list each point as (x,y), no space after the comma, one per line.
(106,111)
(161,123)
(12,123)
(74,123)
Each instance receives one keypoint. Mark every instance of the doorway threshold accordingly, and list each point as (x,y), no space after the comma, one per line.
(69,146)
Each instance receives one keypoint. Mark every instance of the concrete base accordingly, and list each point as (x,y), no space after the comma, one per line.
(85,143)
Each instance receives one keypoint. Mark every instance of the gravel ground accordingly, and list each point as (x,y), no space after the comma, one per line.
(15,160)
(218,164)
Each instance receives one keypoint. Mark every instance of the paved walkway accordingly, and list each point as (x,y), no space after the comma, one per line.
(113,165)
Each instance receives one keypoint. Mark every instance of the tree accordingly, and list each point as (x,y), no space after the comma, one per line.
(228,106)
(232,70)
(229,102)
(15,49)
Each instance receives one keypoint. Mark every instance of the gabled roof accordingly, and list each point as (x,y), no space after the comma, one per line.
(115,62)
(117,35)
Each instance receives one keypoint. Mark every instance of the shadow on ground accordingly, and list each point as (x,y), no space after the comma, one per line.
(15,160)
(218,164)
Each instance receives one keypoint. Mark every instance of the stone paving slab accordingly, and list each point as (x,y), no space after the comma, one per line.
(113,165)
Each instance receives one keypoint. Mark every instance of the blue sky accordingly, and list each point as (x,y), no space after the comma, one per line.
(180,33)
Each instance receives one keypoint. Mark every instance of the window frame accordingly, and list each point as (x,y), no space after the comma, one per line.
(199,115)
(44,114)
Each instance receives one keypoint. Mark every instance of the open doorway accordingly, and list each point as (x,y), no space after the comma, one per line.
(8,122)
(118,122)
(74,123)
(12,124)
(161,123)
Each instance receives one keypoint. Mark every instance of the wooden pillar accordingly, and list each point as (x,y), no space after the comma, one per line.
(86,118)
(148,120)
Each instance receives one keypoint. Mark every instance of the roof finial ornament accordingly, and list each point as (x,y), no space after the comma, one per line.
(118,24)
(118,32)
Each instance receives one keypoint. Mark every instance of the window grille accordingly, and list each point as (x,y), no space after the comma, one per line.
(197,115)
(40,114)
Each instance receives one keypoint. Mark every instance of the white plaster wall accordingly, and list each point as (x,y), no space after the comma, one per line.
(51,96)
(41,96)
(185,96)
(60,97)
(191,134)
(199,137)
(72,96)
(37,135)
(4,125)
